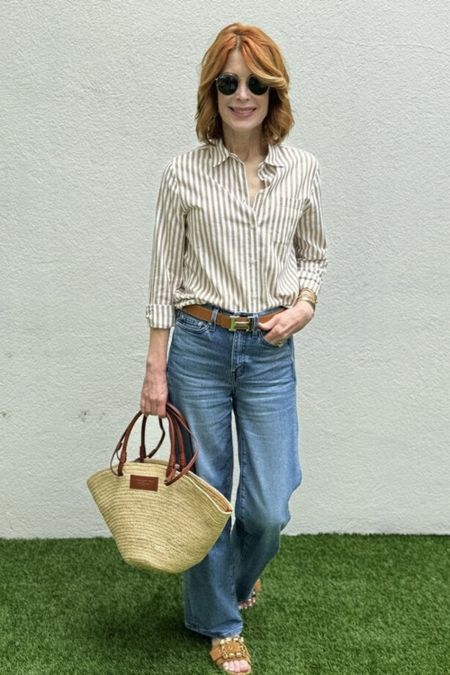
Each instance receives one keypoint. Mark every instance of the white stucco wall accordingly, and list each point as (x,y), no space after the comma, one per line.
(96,98)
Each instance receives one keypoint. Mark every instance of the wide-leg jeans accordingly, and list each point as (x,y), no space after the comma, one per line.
(213,373)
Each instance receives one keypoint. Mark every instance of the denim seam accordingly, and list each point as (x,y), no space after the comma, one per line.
(189,606)
(243,445)
(232,576)
(294,372)
(231,567)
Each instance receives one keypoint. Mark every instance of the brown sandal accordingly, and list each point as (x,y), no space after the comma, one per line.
(231,649)
(257,588)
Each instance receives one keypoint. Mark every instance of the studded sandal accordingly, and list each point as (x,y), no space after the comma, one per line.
(231,649)
(257,588)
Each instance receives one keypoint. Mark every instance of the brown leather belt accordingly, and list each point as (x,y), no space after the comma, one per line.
(229,321)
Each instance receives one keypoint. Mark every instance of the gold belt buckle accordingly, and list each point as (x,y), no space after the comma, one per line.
(239,322)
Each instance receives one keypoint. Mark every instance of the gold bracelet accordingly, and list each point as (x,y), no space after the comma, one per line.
(313,304)
(308,291)
(309,296)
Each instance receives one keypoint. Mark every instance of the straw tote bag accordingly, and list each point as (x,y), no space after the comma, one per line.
(161,514)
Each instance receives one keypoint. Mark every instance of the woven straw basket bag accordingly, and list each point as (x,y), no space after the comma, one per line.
(161,514)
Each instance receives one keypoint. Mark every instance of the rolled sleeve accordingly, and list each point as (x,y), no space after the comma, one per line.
(310,240)
(167,252)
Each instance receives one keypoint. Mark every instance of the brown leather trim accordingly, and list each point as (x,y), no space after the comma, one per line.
(177,460)
(144,482)
(222,319)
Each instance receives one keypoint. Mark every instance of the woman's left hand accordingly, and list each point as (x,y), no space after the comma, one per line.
(284,324)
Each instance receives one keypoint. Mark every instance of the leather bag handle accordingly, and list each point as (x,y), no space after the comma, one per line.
(176,422)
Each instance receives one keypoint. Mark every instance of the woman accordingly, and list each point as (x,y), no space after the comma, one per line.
(239,251)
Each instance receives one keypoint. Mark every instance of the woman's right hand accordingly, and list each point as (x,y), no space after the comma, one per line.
(154,393)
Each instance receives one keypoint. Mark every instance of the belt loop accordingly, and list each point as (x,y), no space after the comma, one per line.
(215,311)
(255,319)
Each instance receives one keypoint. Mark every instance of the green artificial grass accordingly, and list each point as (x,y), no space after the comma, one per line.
(331,603)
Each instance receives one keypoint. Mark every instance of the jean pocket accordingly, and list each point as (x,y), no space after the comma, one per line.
(191,323)
(262,333)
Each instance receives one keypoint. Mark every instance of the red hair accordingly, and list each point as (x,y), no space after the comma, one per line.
(264,59)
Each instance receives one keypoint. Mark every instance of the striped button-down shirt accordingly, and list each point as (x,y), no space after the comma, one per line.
(211,245)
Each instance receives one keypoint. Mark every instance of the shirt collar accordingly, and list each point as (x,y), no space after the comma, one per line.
(219,153)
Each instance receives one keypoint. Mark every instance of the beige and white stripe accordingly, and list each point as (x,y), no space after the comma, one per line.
(211,245)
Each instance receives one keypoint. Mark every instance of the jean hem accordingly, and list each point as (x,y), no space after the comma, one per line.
(208,633)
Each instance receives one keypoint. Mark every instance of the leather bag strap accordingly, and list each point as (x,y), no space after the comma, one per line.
(177,460)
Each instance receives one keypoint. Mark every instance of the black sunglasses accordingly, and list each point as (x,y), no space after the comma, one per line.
(227,84)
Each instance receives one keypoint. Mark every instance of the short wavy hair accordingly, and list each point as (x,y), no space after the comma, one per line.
(264,59)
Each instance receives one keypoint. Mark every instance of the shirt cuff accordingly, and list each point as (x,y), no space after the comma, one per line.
(160,316)
(310,285)
(311,273)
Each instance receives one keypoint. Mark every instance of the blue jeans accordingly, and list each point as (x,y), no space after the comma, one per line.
(212,372)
